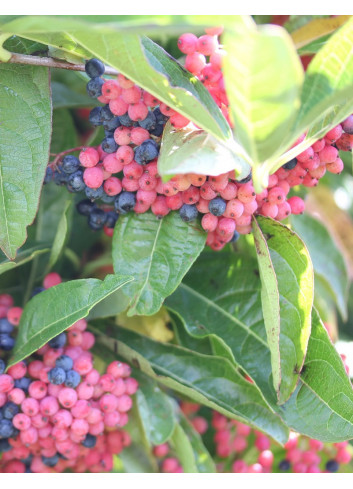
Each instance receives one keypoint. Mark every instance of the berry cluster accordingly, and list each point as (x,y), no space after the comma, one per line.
(57,411)
(235,442)
(122,172)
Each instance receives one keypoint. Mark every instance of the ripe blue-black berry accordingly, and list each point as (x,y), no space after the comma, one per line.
(217,206)
(149,123)
(96,219)
(109,145)
(106,113)
(85,207)
(111,124)
(5,445)
(290,165)
(10,409)
(60,178)
(23,383)
(94,87)
(73,378)
(5,326)
(48,175)
(235,237)
(94,67)
(50,461)
(65,362)
(95,116)
(125,120)
(89,441)
(6,342)
(6,428)
(332,466)
(2,366)
(125,202)
(246,179)
(107,199)
(188,212)
(94,193)
(70,164)
(284,465)
(57,376)
(58,342)
(147,151)
(112,217)
(75,181)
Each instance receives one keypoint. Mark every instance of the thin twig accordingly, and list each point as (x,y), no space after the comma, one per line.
(58,157)
(26,59)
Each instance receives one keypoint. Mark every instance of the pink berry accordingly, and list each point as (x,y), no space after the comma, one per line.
(118,106)
(93,177)
(187,43)
(336,167)
(139,135)
(6,383)
(21,421)
(328,155)
(178,121)
(159,207)
(131,95)
(111,89)
(209,222)
(89,157)
(124,403)
(138,111)
(16,395)
(297,205)
(30,406)
(14,315)
(111,164)
(67,397)
(49,406)
(18,370)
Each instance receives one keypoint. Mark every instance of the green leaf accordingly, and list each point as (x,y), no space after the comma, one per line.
(194,151)
(61,234)
(138,58)
(327,259)
(135,460)
(111,306)
(26,254)
(183,450)
(25,114)
(227,304)
(287,292)
(322,404)
(158,253)
(263,104)
(202,459)
(64,97)
(52,311)
(205,379)
(155,410)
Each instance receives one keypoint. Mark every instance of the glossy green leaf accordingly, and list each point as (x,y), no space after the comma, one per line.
(263,104)
(205,379)
(202,459)
(158,253)
(183,449)
(65,97)
(322,404)
(25,130)
(138,58)
(327,259)
(194,151)
(155,410)
(52,311)
(226,303)
(287,290)
(26,254)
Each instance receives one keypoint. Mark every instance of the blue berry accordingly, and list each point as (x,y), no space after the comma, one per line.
(112,217)
(6,428)
(246,179)
(65,362)
(60,178)
(149,123)
(158,130)
(109,145)
(125,120)
(85,207)
(284,465)
(37,290)
(89,441)
(290,165)
(235,237)
(217,206)
(70,164)
(10,409)
(188,212)
(332,466)
(95,116)
(75,181)
(94,67)
(2,366)
(23,383)
(147,151)
(58,342)
(111,124)
(94,193)
(48,175)
(4,445)
(73,378)
(107,199)
(94,87)
(106,113)
(50,461)
(5,326)
(125,202)
(96,219)
(6,342)
(57,376)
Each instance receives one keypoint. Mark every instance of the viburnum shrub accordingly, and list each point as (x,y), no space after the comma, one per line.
(205,279)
